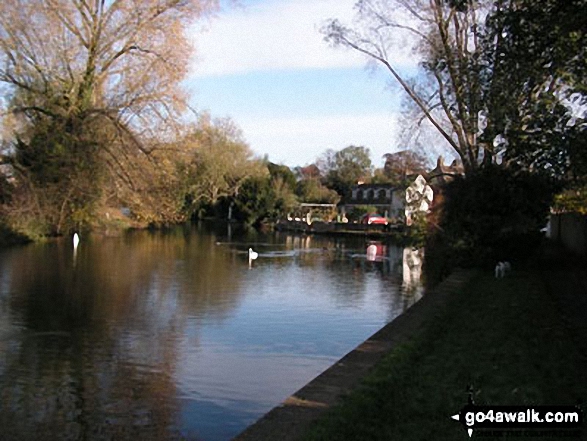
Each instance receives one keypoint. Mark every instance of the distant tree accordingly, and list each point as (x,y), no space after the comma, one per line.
(255,201)
(344,168)
(308,172)
(264,198)
(284,173)
(309,187)
(221,162)
(285,197)
(311,190)
(379,177)
(398,166)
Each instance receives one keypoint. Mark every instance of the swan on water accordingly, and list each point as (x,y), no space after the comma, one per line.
(253,254)
(75,240)
(502,268)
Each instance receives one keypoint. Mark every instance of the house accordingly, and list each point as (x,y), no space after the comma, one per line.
(404,202)
(387,198)
(393,201)
(443,174)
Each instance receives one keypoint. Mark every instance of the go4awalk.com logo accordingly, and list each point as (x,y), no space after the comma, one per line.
(561,419)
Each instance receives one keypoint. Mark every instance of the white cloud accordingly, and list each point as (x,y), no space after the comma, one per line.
(300,140)
(284,35)
(273,36)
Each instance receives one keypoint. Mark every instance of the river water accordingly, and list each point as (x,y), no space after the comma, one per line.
(175,335)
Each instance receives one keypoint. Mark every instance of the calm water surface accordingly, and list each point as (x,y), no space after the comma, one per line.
(170,335)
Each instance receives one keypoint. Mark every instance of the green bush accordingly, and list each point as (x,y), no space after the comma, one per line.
(573,199)
(495,214)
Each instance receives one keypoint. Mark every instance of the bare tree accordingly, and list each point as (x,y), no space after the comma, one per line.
(221,161)
(92,81)
(448,39)
(399,165)
(119,60)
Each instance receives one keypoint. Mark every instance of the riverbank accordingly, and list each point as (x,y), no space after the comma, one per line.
(320,227)
(397,233)
(9,238)
(110,222)
(515,341)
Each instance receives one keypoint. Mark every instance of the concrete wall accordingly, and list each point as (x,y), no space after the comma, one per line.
(570,229)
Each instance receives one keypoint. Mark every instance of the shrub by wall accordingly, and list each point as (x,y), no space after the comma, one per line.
(495,214)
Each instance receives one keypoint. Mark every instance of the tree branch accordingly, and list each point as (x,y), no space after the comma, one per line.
(339,37)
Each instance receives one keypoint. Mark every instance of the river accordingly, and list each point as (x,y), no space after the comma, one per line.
(176,334)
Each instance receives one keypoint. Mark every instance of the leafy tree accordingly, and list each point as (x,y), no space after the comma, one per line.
(270,197)
(220,164)
(255,201)
(344,168)
(63,182)
(494,215)
(536,53)
(91,88)
(159,195)
(285,197)
(283,186)
(309,187)
(398,166)
(284,173)
(313,191)
(499,79)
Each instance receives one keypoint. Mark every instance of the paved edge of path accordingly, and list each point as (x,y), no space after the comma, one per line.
(290,419)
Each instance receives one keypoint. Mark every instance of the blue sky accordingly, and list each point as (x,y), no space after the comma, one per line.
(265,65)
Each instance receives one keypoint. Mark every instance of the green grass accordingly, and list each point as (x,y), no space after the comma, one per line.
(505,338)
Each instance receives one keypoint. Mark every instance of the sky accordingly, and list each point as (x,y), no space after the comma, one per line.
(266,65)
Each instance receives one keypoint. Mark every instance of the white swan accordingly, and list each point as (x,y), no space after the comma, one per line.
(75,240)
(502,268)
(253,254)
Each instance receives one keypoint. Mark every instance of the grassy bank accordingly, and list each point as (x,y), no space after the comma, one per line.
(505,338)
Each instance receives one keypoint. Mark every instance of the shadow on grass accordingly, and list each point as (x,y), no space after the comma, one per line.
(505,338)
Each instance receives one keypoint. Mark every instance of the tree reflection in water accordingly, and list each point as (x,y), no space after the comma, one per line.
(151,335)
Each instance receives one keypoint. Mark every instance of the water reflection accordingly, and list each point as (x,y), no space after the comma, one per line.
(163,335)
(412,261)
